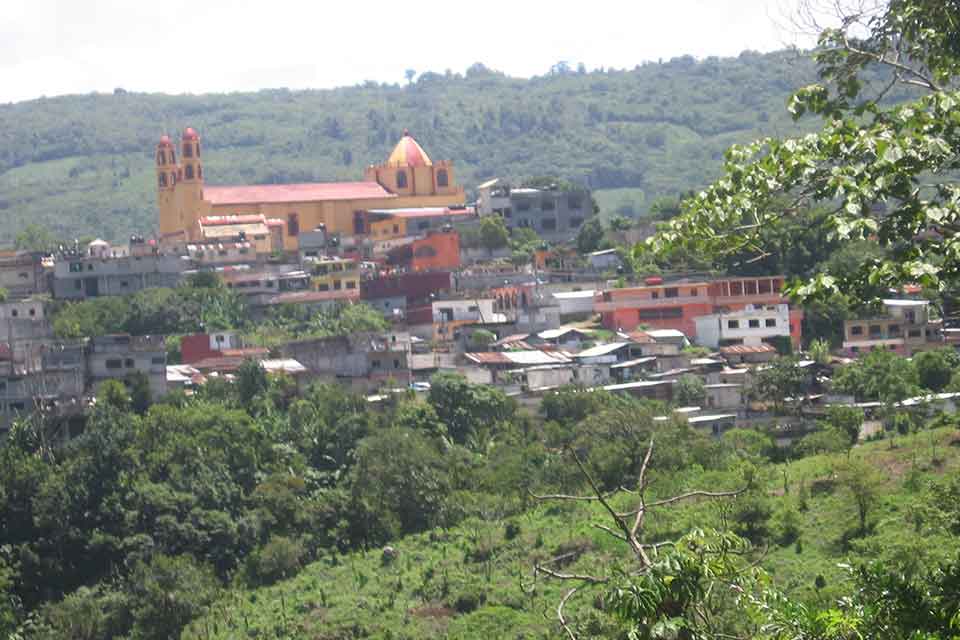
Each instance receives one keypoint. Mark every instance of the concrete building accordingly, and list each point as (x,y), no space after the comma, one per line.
(660,304)
(363,360)
(555,214)
(54,383)
(904,327)
(23,274)
(106,271)
(120,356)
(752,325)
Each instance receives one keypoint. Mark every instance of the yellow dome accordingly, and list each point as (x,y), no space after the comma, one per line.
(408,153)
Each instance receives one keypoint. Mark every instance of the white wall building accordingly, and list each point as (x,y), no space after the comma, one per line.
(751,326)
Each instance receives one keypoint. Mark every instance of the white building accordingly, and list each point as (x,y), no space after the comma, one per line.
(751,326)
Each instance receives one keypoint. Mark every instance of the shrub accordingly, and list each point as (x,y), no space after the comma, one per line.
(279,558)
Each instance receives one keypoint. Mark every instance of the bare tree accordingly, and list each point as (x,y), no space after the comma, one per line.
(627,527)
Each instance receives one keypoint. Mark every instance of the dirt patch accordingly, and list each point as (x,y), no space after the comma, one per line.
(435,611)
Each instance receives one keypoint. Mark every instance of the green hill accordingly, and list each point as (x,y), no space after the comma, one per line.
(83,164)
(465,582)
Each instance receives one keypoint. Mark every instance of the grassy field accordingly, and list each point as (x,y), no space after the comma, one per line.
(472,581)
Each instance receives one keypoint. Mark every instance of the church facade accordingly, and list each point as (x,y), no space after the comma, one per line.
(407,179)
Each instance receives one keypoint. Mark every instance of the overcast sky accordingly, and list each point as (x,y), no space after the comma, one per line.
(54,47)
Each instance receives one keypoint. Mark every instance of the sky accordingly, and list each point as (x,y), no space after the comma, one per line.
(55,47)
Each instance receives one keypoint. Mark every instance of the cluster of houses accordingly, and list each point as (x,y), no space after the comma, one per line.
(561,320)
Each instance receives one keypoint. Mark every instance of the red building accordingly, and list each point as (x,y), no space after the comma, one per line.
(674,305)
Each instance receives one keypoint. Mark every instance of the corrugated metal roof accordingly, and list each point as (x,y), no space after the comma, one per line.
(633,363)
(529,358)
(602,349)
(747,348)
(283,365)
(636,385)
(565,295)
(713,418)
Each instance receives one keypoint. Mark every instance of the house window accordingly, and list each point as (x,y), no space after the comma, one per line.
(128,363)
(337,285)
(401,179)
(771,322)
(78,284)
(199,171)
(158,360)
(671,292)
(14,313)
(423,224)
(733,324)
(396,363)
(198,149)
(508,213)
(114,363)
(351,284)
(375,364)
(856,331)
(523,205)
(655,295)
(694,292)
(442,178)
(124,283)
(876,331)
(323,286)
(893,330)
(161,157)
(188,172)
(574,202)
(754,324)
(33,312)
(293,224)
(173,178)
(396,228)
(76,267)
(914,333)
(548,204)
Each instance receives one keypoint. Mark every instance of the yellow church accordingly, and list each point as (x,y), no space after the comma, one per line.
(408,179)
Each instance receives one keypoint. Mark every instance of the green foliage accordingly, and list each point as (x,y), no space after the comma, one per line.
(35,237)
(781,379)
(292,322)
(936,367)
(185,309)
(469,411)
(590,236)
(880,375)
(659,127)
(865,162)
(847,420)
(114,394)
(279,558)
(481,339)
(493,233)
(689,391)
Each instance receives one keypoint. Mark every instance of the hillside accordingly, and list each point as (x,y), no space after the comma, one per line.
(465,582)
(83,164)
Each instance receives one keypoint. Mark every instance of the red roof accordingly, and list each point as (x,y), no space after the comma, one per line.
(309,192)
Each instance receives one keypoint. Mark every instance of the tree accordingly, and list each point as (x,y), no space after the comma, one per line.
(848,421)
(410,74)
(167,593)
(863,482)
(880,375)
(819,351)
(590,235)
(781,379)
(34,237)
(689,391)
(620,223)
(935,367)
(481,339)
(114,394)
(869,163)
(493,233)
(251,381)
(468,409)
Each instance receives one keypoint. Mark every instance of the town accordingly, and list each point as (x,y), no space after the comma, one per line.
(452,295)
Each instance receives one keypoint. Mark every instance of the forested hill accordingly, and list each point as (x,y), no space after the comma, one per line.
(83,164)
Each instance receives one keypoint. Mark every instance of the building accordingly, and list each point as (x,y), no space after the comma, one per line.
(334,273)
(555,214)
(436,251)
(407,179)
(121,356)
(362,360)
(23,274)
(752,325)
(904,327)
(677,304)
(105,271)
(54,382)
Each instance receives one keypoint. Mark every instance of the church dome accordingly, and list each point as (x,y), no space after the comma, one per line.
(190,134)
(408,153)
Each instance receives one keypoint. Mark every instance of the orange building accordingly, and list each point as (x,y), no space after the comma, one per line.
(675,305)
(408,178)
(437,251)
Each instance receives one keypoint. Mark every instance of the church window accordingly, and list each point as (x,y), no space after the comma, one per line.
(163,179)
(187,150)
(442,179)
(173,178)
(161,157)
(293,224)
(198,149)
(188,171)
(401,179)
(173,157)
(199,171)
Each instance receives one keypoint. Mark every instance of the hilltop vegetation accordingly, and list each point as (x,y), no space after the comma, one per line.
(84,164)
